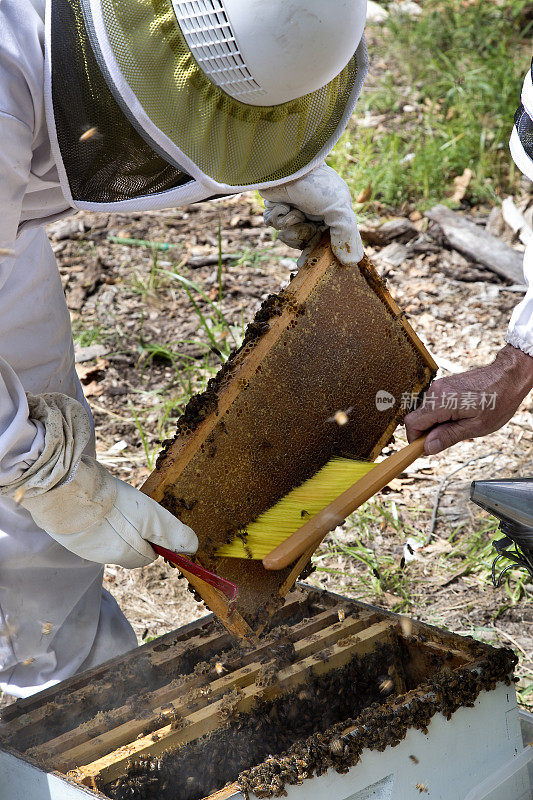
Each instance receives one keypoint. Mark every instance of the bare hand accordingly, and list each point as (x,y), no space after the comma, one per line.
(474,403)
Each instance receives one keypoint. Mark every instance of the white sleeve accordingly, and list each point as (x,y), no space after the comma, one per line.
(15,160)
(21,438)
(520,332)
(17,118)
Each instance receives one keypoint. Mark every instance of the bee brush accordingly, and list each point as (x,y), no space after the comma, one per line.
(309,536)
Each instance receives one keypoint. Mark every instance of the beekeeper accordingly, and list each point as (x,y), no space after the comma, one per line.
(481,401)
(112,105)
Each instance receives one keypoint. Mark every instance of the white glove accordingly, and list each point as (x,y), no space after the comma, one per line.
(302,209)
(81,505)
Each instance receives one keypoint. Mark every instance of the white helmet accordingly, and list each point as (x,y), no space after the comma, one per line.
(268,52)
(157,103)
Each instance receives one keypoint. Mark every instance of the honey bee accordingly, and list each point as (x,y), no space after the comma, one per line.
(18,497)
(422,788)
(91,134)
(46,628)
(341,417)
(336,747)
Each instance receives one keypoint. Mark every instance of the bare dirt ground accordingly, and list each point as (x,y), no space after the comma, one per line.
(459,310)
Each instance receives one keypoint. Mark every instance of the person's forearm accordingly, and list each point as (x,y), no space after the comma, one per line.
(518,366)
(473,403)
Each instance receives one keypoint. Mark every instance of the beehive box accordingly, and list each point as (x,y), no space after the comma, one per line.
(332,341)
(338,695)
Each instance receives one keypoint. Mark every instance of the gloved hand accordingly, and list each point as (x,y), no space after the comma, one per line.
(81,505)
(303,209)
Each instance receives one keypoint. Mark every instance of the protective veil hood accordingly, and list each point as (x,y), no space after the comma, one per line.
(522,137)
(136,123)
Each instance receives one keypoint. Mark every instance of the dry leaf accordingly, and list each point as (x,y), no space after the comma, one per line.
(454,577)
(395,484)
(365,195)
(89,371)
(461,185)
(93,389)
(391,599)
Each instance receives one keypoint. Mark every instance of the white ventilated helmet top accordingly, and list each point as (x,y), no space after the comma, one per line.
(271,52)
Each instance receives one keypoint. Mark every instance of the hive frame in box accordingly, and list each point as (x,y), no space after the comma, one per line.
(450,761)
(23,779)
(231,461)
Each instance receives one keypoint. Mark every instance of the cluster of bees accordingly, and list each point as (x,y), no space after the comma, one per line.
(202,767)
(378,726)
(144,780)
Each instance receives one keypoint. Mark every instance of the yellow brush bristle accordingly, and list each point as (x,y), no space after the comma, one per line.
(296,508)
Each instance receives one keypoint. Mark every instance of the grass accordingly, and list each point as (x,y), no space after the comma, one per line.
(148,284)
(190,374)
(476,555)
(159,409)
(376,572)
(450,86)
(85,335)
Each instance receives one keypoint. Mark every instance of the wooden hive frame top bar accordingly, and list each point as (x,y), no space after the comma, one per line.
(329,341)
(341,646)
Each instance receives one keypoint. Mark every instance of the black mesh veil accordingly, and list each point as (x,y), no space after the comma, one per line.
(105,158)
(524,128)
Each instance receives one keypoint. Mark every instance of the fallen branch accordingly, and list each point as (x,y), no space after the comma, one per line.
(476,244)
(443,485)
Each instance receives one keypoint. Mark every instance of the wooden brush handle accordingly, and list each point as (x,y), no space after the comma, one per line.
(311,534)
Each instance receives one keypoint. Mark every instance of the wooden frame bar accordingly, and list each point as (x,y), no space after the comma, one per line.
(29,715)
(207,719)
(97,737)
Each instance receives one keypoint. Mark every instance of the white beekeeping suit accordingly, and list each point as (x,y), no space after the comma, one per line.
(55,639)
(520,332)
(55,619)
